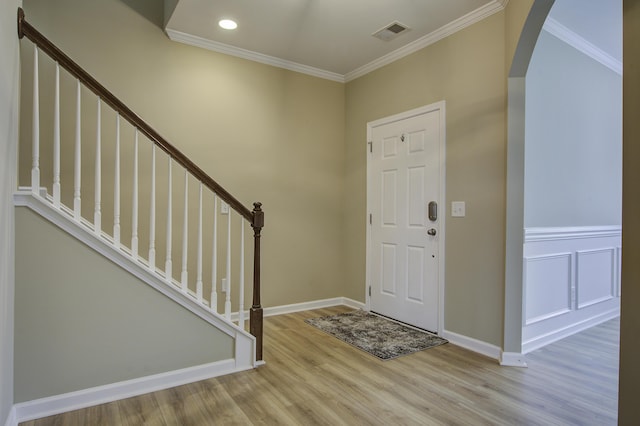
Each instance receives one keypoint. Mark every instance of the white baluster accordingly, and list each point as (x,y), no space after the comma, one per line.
(134,218)
(35,127)
(77,166)
(97,215)
(116,188)
(152,218)
(214,257)
(227,300)
(167,263)
(56,140)
(241,289)
(185,227)
(199,252)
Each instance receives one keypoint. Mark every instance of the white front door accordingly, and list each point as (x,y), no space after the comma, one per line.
(405,176)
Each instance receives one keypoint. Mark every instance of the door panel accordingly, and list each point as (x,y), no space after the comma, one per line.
(389,197)
(403,177)
(416,199)
(415,266)
(388,272)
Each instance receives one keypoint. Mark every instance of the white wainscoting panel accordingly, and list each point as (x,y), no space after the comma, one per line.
(547,286)
(571,281)
(595,276)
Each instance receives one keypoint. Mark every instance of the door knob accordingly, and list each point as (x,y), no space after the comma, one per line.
(431,231)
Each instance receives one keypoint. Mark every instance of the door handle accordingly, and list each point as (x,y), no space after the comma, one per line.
(431,231)
(433,211)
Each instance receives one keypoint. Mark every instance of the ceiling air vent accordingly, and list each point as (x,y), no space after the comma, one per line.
(390,31)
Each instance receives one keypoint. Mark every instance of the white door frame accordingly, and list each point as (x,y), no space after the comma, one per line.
(440,106)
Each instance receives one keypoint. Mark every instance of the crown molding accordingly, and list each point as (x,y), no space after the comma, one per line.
(251,56)
(563,33)
(464,21)
(471,18)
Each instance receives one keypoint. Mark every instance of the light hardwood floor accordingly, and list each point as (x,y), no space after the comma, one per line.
(311,378)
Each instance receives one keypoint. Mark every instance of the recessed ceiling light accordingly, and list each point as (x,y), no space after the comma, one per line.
(228,24)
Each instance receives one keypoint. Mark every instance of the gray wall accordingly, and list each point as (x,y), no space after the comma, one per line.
(573,148)
(73,333)
(9,71)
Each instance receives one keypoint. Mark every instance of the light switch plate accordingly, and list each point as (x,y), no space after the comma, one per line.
(457,209)
(224,208)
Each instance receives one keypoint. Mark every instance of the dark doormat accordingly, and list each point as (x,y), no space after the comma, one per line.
(376,335)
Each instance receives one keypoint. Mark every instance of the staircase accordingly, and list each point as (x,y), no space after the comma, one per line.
(106,177)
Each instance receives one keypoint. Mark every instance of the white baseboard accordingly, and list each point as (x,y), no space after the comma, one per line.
(512,359)
(303,306)
(316,304)
(12,420)
(57,404)
(555,335)
(483,348)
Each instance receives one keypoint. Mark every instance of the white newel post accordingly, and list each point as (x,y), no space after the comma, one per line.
(97,214)
(116,188)
(35,127)
(56,140)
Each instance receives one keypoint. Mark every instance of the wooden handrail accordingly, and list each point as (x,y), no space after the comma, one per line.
(255,217)
(25,29)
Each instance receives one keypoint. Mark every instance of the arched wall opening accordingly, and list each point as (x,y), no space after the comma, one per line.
(513,298)
(572,160)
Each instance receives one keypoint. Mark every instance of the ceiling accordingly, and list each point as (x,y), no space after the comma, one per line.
(328,38)
(333,39)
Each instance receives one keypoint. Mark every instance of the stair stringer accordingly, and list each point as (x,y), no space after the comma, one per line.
(245,343)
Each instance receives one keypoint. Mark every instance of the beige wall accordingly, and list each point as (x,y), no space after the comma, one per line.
(467,70)
(74,333)
(264,133)
(9,79)
(302,162)
(629,410)
(292,143)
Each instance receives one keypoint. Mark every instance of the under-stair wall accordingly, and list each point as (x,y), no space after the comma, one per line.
(84,322)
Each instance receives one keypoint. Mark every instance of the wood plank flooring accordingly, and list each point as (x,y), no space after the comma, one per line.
(312,378)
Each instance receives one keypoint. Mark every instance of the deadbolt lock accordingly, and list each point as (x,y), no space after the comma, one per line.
(433,211)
